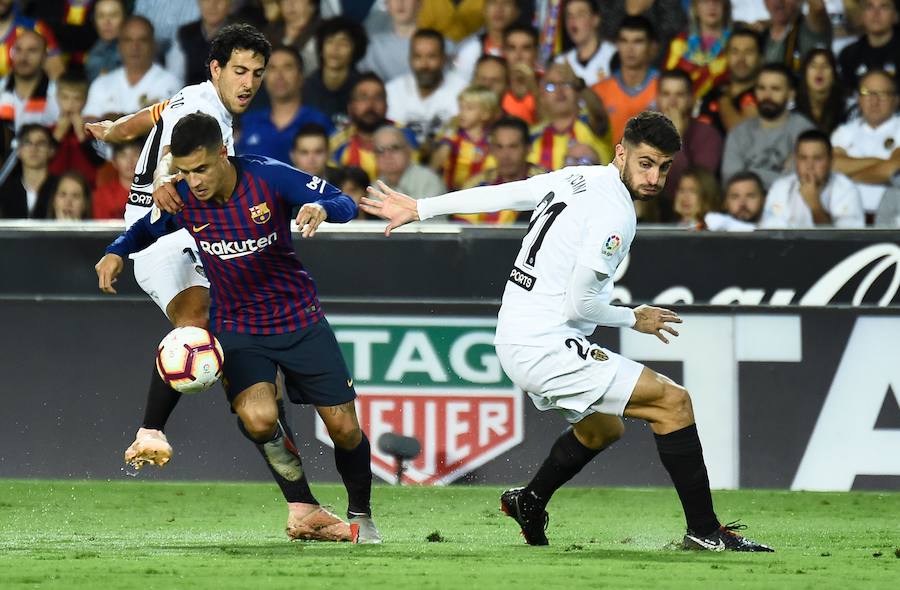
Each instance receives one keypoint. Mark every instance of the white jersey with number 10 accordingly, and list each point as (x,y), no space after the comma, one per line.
(584,215)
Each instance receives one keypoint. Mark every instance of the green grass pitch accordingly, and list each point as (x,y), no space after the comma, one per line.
(133,534)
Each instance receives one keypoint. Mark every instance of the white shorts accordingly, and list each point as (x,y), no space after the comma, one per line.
(168,267)
(571,375)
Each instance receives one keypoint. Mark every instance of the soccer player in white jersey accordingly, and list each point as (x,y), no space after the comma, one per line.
(171,273)
(558,291)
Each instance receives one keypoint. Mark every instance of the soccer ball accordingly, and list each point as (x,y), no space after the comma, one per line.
(190,359)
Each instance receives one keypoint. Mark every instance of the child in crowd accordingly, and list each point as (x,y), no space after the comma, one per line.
(353,182)
(463,151)
(110,197)
(74,149)
(310,151)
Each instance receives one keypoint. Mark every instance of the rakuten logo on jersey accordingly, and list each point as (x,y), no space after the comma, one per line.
(228,249)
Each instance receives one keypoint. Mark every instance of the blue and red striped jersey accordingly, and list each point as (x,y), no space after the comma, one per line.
(257,283)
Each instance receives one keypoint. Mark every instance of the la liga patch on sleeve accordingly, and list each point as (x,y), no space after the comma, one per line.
(612,243)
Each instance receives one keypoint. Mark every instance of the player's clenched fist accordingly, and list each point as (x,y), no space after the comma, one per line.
(309,218)
(655,320)
(108,269)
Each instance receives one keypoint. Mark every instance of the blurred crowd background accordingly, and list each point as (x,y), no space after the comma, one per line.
(788,109)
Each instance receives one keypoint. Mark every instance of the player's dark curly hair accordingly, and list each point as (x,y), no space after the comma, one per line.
(195,131)
(237,36)
(653,129)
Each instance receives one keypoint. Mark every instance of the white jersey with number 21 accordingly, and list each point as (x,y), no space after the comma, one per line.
(584,215)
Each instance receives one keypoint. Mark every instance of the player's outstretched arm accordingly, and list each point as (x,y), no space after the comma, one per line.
(398,209)
(655,320)
(108,269)
(127,127)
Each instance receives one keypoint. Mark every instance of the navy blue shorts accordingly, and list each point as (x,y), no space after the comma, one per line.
(311,360)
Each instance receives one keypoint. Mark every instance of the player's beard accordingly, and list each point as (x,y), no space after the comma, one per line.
(636,195)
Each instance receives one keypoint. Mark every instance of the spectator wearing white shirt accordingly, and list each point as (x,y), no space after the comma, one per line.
(742,206)
(867,149)
(814,195)
(425,100)
(591,55)
(138,83)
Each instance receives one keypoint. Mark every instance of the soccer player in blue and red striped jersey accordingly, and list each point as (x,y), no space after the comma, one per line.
(264,309)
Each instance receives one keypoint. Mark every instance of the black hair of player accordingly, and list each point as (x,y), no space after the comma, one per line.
(515,123)
(638,23)
(237,37)
(746,175)
(195,131)
(311,130)
(341,24)
(293,52)
(653,129)
(432,34)
(779,68)
(814,135)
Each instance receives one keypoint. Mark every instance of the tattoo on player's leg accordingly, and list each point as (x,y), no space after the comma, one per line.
(252,396)
(346,408)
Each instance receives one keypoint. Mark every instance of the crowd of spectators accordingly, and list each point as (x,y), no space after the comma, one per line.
(788,109)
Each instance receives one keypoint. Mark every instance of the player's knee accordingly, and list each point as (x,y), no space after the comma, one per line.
(259,423)
(346,436)
(190,308)
(191,315)
(677,402)
(614,433)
